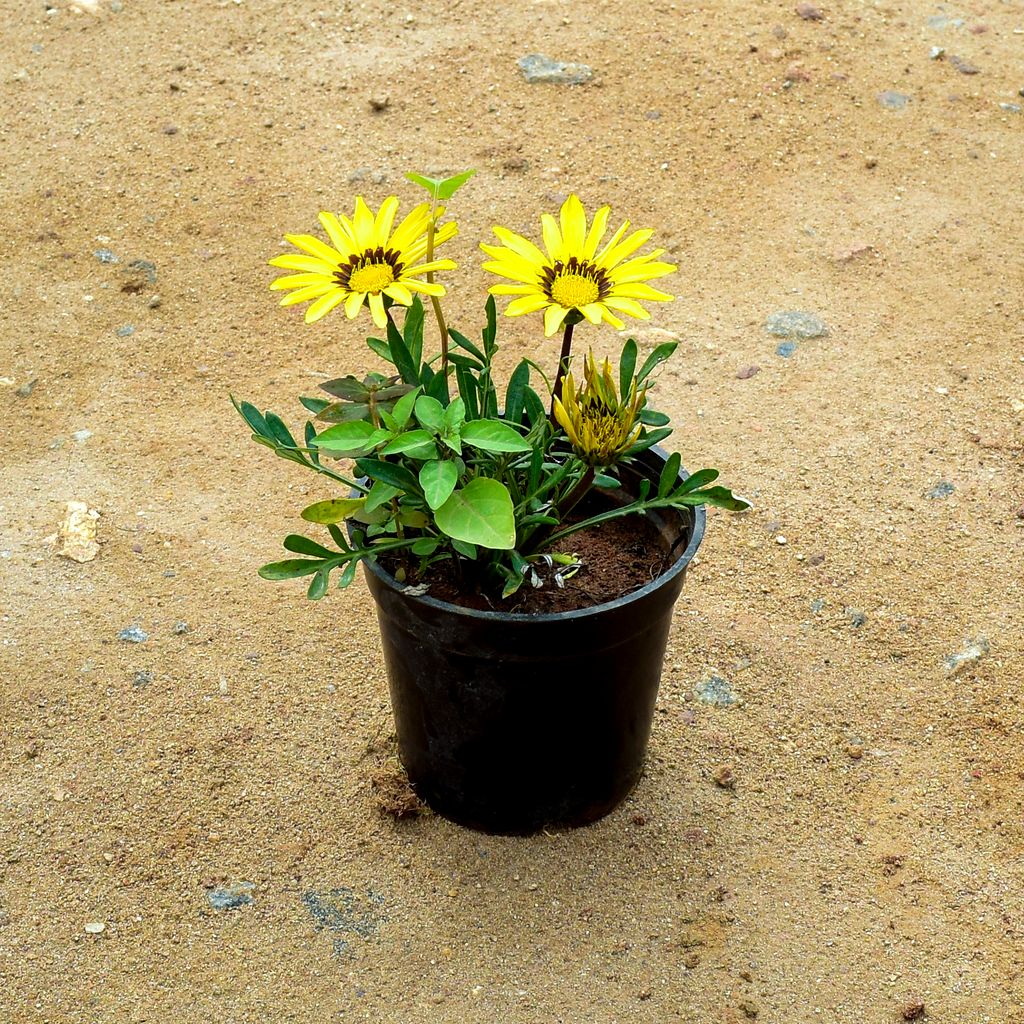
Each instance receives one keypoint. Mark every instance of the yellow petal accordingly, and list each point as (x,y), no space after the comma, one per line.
(385,218)
(553,317)
(425,268)
(304,294)
(519,245)
(592,311)
(426,287)
(611,318)
(552,238)
(597,230)
(623,305)
(362,223)
(380,317)
(634,270)
(612,242)
(298,281)
(315,248)
(574,225)
(514,271)
(399,293)
(526,304)
(410,229)
(514,289)
(323,305)
(340,238)
(354,303)
(626,248)
(641,291)
(291,261)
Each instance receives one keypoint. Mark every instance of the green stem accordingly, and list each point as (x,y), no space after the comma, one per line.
(542,535)
(434,300)
(563,366)
(615,513)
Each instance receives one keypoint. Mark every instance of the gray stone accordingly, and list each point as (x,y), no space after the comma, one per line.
(1011,108)
(106,256)
(126,331)
(537,68)
(943,489)
(817,604)
(857,617)
(231,897)
(970,655)
(81,435)
(180,628)
(145,268)
(965,67)
(936,52)
(785,349)
(345,911)
(142,679)
(716,690)
(794,323)
(941,21)
(892,100)
(26,389)
(133,635)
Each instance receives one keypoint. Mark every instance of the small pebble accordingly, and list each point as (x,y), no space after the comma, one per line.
(855,752)
(781,540)
(380,103)
(537,68)
(126,331)
(106,256)
(786,349)
(81,435)
(133,635)
(970,655)
(936,53)
(809,12)
(180,628)
(892,100)
(95,928)
(857,617)
(817,604)
(747,372)
(750,1009)
(725,777)
(231,897)
(26,389)
(155,302)
(795,323)
(716,690)
(965,67)
(1011,108)
(142,679)
(913,1010)
(943,489)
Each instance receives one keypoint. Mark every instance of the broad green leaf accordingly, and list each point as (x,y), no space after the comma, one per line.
(402,411)
(658,356)
(438,480)
(413,517)
(493,436)
(346,438)
(455,415)
(425,546)
(344,412)
(669,474)
(409,442)
(653,418)
(348,388)
(379,494)
(479,513)
(290,568)
(397,476)
(440,188)
(627,366)
(333,510)
(469,550)
(304,546)
(430,413)
(389,421)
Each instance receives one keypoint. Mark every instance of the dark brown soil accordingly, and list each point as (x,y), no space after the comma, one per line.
(618,557)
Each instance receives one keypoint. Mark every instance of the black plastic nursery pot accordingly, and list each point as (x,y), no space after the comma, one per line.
(510,723)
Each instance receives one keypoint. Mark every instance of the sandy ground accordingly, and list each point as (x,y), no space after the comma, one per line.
(869,854)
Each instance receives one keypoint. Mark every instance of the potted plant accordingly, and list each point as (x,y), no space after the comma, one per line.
(524,553)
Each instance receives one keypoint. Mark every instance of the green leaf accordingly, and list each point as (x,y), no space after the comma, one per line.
(344,412)
(627,366)
(412,330)
(291,568)
(469,550)
(465,362)
(698,479)
(346,438)
(379,494)
(397,476)
(515,394)
(658,356)
(479,513)
(348,574)
(333,510)
(381,348)
(318,584)
(304,546)
(315,405)
(338,537)
(721,497)
(609,483)
(649,441)
(437,386)
(252,416)
(438,480)
(490,332)
(454,415)
(669,474)
(401,356)
(653,418)
(425,546)
(535,411)
(463,342)
(348,389)
(309,432)
(441,188)
(430,413)
(493,436)
(468,389)
(419,443)
(402,412)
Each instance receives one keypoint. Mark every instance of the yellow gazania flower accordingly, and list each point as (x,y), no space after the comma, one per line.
(599,425)
(365,261)
(573,276)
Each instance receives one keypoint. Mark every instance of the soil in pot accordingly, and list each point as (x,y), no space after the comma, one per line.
(618,557)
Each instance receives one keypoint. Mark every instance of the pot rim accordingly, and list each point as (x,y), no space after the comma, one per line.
(699,521)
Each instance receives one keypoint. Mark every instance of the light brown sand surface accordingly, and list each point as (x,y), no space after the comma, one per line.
(870,852)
